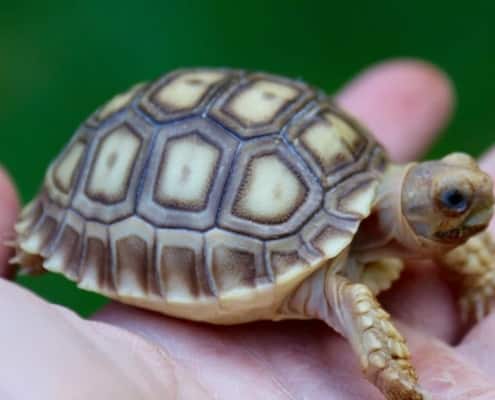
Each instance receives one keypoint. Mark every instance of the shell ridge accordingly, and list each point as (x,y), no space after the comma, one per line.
(52,247)
(310,109)
(236,78)
(32,219)
(37,224)
(268,264)
(207,270)
(78,264)
(227,182)
(80,170)
(154,280)
(236,136)
(145,168)
(111,263)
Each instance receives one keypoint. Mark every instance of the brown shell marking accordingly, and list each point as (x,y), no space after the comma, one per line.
(180,265)
(97,265)
(167,202)
(113,165)
(184,92)
(66,248)
(140,261)
(63,174)
(131,253)
(187,170)
(270,192)
(178,270)
(35,230)
(234,262)
(116,105)
(132,256)
(260,104)
(351,198)
(330,142)
(270,195)
(115,159)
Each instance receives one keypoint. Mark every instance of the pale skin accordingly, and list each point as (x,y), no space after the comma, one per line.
(49,353)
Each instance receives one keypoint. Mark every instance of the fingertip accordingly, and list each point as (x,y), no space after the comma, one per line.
(8,194)
(487,164)
(487,161)
(404,102)
(9,208)
(423,299)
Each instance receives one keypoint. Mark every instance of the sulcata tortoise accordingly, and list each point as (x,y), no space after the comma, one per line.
(224,196)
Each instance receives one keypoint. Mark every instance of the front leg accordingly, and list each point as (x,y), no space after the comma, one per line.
(377,275)
(353,311)
(474,267)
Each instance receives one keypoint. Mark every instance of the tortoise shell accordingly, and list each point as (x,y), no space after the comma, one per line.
(208,194)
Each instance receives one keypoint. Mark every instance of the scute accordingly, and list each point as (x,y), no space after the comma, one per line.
(211,161)
(270,191)
(114,161)
(184,93)
(260,104)
(63,173)
(208,194)
(258,202)
(113,165)
(331,142)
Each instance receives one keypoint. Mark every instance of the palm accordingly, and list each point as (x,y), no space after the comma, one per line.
(64,356)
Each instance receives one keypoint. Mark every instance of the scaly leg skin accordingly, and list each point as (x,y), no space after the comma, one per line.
(352,310)
(474,265)
(381,274)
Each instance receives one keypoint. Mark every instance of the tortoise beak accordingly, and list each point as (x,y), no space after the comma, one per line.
(479,218)
(476,222)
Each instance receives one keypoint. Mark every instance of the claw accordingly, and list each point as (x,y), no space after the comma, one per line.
(474,307)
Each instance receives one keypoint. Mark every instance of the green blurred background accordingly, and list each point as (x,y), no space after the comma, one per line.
(61,59)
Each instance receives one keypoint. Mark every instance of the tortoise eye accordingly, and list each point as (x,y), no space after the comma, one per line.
(454,200)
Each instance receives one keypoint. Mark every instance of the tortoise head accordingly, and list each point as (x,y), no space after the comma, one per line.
(445,202)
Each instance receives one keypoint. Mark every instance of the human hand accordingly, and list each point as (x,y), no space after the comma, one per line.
(47,352)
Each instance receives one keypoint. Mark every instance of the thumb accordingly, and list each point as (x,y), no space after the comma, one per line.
(9,207)
(64,356)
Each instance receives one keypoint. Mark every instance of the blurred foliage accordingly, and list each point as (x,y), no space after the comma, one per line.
(61,59)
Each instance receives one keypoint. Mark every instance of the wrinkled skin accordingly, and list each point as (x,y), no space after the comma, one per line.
(125,353)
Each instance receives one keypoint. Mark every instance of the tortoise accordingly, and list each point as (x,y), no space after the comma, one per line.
(228,196)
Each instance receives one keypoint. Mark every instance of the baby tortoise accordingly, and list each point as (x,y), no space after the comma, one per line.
(225,196)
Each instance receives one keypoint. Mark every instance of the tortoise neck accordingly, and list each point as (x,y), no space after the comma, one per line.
(386,233)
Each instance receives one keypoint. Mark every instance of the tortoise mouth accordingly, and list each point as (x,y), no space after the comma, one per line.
(457,234)
(474,223)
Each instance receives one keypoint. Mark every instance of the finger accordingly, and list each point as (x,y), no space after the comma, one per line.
(306,359)
(446,373)
(9,207)
(289,360)
(487,163)
(65,357)
(249,355)
(404,103)
(479,345)
(423,299)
